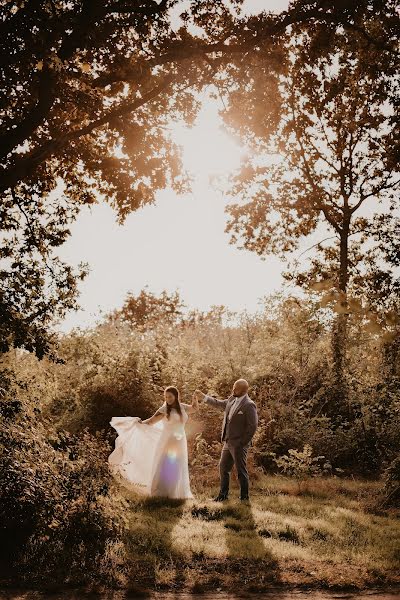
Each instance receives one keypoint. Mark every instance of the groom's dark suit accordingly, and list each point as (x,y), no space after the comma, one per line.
(238,428)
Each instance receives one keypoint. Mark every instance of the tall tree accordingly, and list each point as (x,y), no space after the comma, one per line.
(334,154)
(36,287)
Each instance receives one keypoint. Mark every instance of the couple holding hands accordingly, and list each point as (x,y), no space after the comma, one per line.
(152,455)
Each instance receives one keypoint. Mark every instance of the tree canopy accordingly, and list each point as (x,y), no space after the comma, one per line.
(87,93)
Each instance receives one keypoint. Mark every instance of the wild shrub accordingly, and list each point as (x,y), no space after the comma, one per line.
(301,464)
(392,484)
(59,516)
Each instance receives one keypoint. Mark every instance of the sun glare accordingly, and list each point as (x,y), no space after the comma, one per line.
(207,150)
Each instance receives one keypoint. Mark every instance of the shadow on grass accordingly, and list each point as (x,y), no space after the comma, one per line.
(249,565)
(247,552)
(150,542)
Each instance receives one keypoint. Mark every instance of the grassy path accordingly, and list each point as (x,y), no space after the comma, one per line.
(323,536)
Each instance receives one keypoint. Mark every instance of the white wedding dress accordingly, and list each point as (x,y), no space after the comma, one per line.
(153,458)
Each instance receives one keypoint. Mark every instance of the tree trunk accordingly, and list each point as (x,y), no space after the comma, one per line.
(339,331)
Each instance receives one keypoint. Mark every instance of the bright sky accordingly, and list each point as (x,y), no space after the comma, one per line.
(177,244)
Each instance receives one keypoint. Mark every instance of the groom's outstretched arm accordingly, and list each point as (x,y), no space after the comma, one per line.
(221,404)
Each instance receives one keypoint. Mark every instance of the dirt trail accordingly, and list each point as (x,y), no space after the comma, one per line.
(392,594)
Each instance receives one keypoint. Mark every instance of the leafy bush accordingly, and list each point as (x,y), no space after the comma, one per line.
(204,460)
(107,372)
(392,484)
(59,516)
(301,464)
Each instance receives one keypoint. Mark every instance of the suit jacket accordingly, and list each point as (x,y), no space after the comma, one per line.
(242,425)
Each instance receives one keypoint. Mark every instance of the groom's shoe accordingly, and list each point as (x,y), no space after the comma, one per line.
(244,499)
(220,498)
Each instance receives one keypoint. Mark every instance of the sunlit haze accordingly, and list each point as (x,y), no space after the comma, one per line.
(179,243)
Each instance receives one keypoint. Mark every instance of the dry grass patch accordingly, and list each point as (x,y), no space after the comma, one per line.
(322,538)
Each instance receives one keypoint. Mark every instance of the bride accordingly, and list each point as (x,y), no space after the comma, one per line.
(152,454)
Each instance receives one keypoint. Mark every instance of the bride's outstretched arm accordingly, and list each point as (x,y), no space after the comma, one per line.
(154,419)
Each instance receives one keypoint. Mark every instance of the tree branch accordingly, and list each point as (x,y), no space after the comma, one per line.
(331,237)
(373,192)
(309,176)
(32,120)
(24,166)
(47,94)
(152,9)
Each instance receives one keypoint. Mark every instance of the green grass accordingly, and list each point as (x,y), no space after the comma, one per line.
(325,534)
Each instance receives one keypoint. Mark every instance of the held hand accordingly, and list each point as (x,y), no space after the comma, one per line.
(199,395)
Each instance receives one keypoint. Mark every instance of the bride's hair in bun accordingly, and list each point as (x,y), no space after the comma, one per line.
(175,392)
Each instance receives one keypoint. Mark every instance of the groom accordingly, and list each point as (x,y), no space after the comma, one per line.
(238,427)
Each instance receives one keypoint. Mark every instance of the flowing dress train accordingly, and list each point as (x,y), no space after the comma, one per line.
(153,458)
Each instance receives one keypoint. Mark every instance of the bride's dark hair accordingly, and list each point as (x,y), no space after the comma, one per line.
(175,392)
